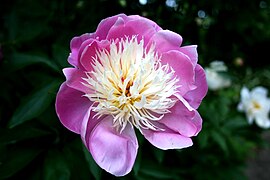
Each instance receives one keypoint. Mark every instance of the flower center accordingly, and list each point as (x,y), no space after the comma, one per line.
(256,105)
(129,83)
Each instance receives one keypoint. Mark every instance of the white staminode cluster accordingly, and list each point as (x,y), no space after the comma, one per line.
(130,83)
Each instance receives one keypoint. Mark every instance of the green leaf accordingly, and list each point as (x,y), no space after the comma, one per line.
(74,155)
(60,55)
(220,140)
(34,104)
(155,171)
(56,166)
(11,24)
(159,154)
(18,133)
(137,164)
(94,168)
(19,60)
(236,122)
(203,139)
(17,159)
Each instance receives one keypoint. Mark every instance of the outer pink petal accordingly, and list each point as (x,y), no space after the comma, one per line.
(113,151)
(167,139)
(166,40)
(150,22)
(197,120)
(106,24)
(194,97)
(182,120)
(75,45)
(74,79)
(90,52)
(183,69)
(140,27)
(191,52)
(88,125)
(78,44)
(71,107)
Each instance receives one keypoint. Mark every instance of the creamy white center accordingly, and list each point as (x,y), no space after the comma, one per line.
(129,83)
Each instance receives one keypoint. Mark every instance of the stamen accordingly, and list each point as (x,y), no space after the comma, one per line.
(129,83)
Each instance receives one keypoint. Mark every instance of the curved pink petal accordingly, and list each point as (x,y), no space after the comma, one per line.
(106,24)
(78,44)
(90,52)
(113,151)
(182,120)
(194,97)
(71,107)
(167,139)
(74,79)
(89,122)
(197,120)
(84,124)
(119,25)
(166,40)
(191,52)
(139,27)
(150,22)
(75,45)
(183,69)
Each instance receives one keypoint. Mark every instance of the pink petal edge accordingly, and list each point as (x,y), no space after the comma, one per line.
(182,120)
(167,139)
(74,79)
(114,152)
(195,96)
(71,107)
(183,68)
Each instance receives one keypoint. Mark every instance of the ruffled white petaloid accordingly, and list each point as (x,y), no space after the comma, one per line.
(129,83)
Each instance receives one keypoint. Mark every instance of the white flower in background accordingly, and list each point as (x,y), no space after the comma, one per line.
(256,105)
(214,78)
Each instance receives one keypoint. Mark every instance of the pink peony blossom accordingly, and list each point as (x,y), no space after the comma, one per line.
(131,74)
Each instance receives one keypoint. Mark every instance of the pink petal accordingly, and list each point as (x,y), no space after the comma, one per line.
(183,69)
(71,107)
(75,45)
(139,27)
(150,22)
(74,79)
(113,151)
(106,24)
(90,52)
(88,123)
(197,120)
(191,52)
(167,139)
(182,120)
(166,40)
(194,97)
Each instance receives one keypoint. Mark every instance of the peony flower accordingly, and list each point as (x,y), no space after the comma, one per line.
(256,105)
(214,79)
(131,75)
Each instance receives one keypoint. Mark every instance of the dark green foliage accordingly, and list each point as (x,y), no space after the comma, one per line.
(34,46)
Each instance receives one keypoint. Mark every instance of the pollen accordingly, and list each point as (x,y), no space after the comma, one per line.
(256,105)
(129,83)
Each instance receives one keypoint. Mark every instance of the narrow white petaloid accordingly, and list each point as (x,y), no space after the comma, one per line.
(130,83)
